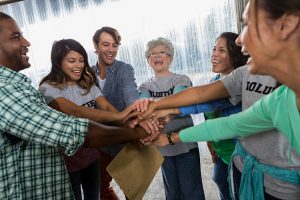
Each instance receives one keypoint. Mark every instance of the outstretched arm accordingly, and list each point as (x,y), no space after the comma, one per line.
(254,120)
(251,121)
(190,96)
(103,116)
(101,135)
(193,109)
(205,107)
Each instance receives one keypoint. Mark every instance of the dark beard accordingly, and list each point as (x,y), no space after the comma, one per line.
(17,63)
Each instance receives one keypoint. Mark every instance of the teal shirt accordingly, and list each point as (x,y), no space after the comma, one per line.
(276,110)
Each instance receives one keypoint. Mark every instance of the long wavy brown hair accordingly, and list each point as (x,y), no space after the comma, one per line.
(57,76)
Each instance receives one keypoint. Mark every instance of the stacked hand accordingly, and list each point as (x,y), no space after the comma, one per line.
(147,110)
(152,121)
(129,113)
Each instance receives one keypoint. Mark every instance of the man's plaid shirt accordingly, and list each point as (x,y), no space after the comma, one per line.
(32,137)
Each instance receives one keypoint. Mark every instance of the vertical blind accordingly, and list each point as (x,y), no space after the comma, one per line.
(191,25)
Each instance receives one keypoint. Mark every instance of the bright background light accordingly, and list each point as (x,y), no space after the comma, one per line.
(192,26)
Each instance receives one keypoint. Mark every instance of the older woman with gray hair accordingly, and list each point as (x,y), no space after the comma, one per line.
(181,167)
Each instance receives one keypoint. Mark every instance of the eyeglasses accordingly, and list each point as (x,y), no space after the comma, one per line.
(158,54)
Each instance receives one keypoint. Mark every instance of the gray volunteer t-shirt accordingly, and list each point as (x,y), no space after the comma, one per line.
(72,93)
(165,86)
(84,156)
(269,147)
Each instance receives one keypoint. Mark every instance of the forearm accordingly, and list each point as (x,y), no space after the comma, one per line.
(193,95)
(186,97)
(178,124)
(101,135)
(96,115)
(210,147)
(70,108)
(205,107)
(105,105)
(207,132)
(243,124)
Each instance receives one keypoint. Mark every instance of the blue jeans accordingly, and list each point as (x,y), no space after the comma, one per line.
(182,176)
(219,176)
(89,179)
(237,175)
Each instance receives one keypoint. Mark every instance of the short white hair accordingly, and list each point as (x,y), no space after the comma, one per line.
(160,41)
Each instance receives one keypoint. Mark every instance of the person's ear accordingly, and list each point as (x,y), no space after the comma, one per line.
(96,48)
(289,24)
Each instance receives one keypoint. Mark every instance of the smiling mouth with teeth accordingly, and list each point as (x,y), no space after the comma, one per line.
(249,60)
(24,52)
(216,61)
(158,63)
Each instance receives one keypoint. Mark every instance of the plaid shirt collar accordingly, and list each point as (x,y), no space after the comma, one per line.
(9,75)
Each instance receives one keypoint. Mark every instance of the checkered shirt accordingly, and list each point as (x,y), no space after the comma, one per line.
(32,139)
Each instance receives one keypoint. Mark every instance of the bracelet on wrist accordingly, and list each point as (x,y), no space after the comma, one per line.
(170,140)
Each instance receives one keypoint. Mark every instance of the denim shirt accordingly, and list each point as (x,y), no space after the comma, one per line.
(120,90)
(120,87)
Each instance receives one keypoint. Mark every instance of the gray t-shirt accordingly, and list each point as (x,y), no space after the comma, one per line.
(83,156)
(270,147)
(71,93)
(165,86)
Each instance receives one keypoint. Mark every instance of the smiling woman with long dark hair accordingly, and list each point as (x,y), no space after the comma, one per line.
(70,88)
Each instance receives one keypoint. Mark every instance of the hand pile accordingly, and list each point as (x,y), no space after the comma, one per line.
(152,120)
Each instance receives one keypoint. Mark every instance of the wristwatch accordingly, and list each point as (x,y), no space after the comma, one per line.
(170,140)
